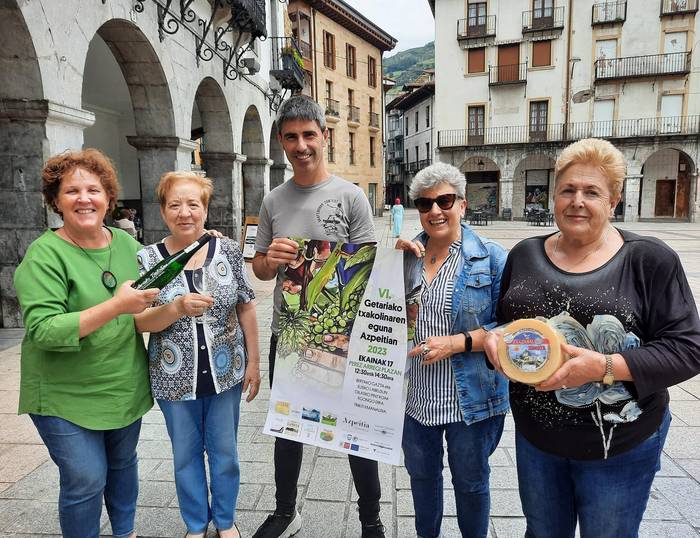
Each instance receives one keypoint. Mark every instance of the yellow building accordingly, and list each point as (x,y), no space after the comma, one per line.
(342,52)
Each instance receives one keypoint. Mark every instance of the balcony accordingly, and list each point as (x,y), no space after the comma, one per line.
(543,19)
(354,115)
(305,49)
(561,133)
(331,154)
(654,65)
(332,107)
(476,29)
(678,7)
(287,63)
(609,13)
(373,120)
(249,16)
(416,166)
(507,74)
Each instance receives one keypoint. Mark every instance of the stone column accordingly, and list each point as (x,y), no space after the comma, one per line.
(237,195)
(256,183)
(157,155)
(694,207)
(279,173)
(631,196)
(219,168)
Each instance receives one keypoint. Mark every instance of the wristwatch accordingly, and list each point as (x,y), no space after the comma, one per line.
(467,342)
(608,378)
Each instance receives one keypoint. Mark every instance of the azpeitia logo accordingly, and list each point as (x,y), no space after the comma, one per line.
(329,215)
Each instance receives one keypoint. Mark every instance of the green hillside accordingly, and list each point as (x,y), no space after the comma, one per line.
(406,65)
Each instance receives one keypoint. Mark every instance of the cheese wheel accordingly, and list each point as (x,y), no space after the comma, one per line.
(530,351)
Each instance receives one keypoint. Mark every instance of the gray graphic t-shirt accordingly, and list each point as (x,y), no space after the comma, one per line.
(334,210)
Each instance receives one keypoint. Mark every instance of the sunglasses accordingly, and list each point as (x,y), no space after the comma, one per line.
(444,201)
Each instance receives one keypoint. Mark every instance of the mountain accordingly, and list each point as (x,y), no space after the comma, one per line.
(407,65)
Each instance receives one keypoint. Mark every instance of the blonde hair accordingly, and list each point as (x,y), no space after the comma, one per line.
(169,179)
(596,152)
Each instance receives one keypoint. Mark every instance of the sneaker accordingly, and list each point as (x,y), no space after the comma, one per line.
(375,529)
(280,526)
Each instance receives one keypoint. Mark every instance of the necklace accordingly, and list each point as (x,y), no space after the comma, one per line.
(596,249)
(109,281)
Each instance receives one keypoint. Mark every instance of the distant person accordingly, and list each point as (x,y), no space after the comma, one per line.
(84,374)
(333,209)
(125,221)
(397,217)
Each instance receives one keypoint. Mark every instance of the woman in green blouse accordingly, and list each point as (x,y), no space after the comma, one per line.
(84,376)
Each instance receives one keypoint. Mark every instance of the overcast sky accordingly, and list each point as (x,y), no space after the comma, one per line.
(409,21)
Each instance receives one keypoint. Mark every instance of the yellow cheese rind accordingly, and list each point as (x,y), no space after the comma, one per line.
(529,351)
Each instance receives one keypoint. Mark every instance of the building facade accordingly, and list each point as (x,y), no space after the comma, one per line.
(342,53)
(531,76)
(155,89)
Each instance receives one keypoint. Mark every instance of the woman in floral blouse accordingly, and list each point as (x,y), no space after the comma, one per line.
(203,354)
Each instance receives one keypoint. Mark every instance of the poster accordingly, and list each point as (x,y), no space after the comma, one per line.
(341,351)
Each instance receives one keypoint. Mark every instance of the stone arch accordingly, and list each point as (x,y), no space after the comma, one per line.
(667,185)
(533,175)
(483,180)
(152,131)
(211,125)
(23,148)
(256,166)
(278,168)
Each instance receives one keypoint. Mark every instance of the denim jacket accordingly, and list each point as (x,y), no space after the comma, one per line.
(482,392)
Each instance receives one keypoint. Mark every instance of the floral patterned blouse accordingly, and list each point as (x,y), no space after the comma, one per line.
(173,352)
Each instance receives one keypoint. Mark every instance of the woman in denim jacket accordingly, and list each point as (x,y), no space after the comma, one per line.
(451,392)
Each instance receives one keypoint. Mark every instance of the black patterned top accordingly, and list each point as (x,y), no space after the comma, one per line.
(172,352)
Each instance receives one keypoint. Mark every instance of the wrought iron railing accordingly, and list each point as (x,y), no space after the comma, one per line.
(374,119)
(417,166)
(478,26)
(249,14)
(287,63)
(609,12)
(332,107)
(642,66)
(507,74)
(560,132)
(544,18)
(677,7)
(354,113)
(305,49)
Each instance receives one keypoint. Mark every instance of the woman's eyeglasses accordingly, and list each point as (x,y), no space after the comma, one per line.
(444,201)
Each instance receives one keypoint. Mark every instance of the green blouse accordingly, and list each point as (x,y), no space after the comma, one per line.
(99,382)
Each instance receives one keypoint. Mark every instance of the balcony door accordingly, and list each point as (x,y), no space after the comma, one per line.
(539,111)
(476,125)
(675,45)
(508,63)
(665,199)
(476,21)
(671,113)
(606,54)
(603,114)
(542,13)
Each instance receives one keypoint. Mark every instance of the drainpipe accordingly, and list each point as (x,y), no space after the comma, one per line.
(314,56)
(567,104)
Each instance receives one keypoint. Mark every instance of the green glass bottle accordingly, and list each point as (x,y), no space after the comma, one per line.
(164,271)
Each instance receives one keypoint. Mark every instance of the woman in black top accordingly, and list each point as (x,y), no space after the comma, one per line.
(589,438)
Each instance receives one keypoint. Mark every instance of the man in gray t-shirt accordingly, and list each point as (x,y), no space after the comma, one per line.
(317,205)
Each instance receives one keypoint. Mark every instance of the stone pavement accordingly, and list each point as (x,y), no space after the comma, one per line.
(29,480)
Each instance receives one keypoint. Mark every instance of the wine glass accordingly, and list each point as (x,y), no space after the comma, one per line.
(199,282)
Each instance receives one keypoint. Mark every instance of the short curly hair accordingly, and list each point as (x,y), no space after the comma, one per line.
(169,179)
(596,152)
(90,159)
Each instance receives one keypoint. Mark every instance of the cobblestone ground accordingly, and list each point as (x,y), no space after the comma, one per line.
(29,480)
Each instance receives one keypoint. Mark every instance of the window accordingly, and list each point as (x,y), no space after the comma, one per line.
(328,50)
(427,116)
(541,53)
(476,61)
(351,97)
(371,105)
(475,132)
(417,156)
(406,128)
(603,117)
(352,148)
(538,120)
(371,71)
(416,122)
(371,151)
(329,89)
(350,61)
(477,15)
(406,155)
(331,145)
(427,151)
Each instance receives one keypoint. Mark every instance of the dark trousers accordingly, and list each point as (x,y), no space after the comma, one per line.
(365,473)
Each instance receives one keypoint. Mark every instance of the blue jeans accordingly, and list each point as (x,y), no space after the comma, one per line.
(608,497)
(93,464)
(468,451)
(194,426)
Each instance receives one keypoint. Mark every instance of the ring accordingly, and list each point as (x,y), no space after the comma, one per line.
(425,348)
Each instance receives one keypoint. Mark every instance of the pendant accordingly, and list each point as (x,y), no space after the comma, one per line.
(109,281)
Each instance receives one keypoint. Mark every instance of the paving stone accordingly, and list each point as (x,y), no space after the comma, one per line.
(248,496)
(159,523)
(403,480)
(509,527)
(666,529)
(33,517)
(506,502)
(321,518)
(330,480)
(154,449)
(154,416)
(17,461)
(266,502)
(154,432)
(659,507)
(22,428)
(264,473)
(688,411)
(146,466)
(507,439)
(386,482)
(500,458)
(503,478)
(153,493)
(669,468)
(9,399)
(256,452)
(683,442)
(679,394)
(683,494)
(40,485)
(692,467)
(163,472)
(692,386)
(404,503)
